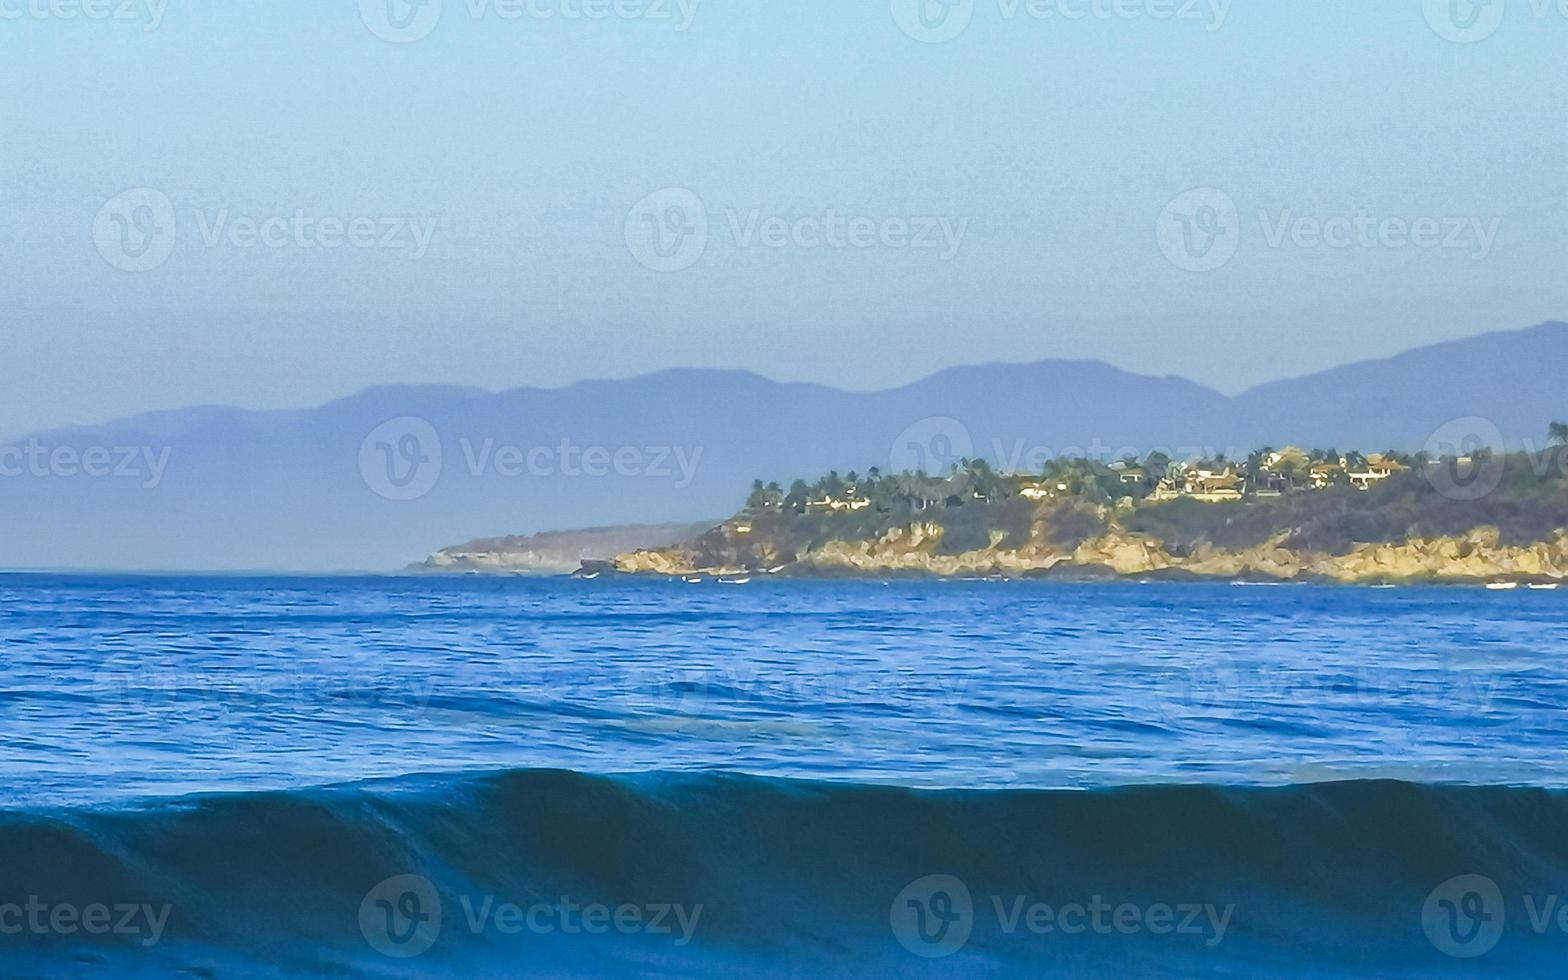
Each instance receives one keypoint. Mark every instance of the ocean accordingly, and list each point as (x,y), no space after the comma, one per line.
(486,777)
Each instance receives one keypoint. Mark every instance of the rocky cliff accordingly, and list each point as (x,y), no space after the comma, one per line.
(1107,547)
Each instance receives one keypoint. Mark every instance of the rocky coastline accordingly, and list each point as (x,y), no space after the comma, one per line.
(1475,557)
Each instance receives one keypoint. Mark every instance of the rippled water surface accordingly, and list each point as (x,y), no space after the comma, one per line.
(120,688)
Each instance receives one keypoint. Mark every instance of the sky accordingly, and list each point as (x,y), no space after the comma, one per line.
(274,204)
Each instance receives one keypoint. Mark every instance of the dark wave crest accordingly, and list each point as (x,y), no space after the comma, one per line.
(495,875)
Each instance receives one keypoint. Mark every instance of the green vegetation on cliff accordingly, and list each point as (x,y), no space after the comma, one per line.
(1289,514)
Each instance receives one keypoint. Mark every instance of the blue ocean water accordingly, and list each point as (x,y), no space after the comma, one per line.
(503,777)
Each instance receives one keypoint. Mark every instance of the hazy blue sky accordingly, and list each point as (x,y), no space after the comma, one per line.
(1036,151)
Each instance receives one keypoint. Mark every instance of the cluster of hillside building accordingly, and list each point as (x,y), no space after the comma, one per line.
(1267,473)
(1276,473)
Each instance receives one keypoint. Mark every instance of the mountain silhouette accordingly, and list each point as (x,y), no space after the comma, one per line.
(386,476)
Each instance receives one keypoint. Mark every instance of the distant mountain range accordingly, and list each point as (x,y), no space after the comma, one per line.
(387,476)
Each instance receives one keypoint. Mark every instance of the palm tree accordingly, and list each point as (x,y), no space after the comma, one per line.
(1558,433)
(1158,466)
(798,494)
